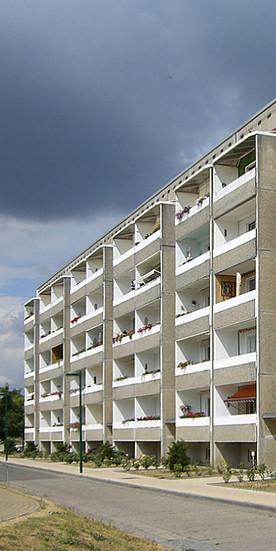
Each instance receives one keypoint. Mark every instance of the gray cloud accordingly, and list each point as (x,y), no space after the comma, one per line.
(102,103)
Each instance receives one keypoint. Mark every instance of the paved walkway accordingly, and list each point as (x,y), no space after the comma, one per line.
(210,488)
(14,504)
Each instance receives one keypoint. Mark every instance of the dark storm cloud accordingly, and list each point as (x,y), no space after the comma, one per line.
(103,102)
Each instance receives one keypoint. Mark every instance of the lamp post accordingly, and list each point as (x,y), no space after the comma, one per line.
(5,394)
(78,374)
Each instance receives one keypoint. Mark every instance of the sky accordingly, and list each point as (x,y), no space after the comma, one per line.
(101,104)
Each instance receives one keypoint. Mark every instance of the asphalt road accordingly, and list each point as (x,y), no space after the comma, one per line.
(178,522)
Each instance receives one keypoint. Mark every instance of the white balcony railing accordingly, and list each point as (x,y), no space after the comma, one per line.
(246,419)
(192,263)
(195,422)
(191,316)
(236,242)
(193,368)
(235,184)
(235,301)
(232,361)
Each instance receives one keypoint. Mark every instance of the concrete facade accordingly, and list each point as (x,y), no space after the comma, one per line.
(170,318)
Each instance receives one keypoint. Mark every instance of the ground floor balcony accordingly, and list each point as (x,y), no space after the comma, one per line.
(52,433)
(195,433)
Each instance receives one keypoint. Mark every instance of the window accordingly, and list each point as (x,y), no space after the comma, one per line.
(251,343)
(250,284)
(250,407)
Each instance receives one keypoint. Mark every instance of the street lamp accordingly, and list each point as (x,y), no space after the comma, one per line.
(78,374)
(5,394)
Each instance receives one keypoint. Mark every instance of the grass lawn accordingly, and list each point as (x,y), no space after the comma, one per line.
(166,473)
(258,485)
(56,529)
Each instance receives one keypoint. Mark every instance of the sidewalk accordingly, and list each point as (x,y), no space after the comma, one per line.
(208,488)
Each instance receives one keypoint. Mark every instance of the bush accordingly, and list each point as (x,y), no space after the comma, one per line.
(135,463)
(31,450)
(225,470)
(61,451)
(177,454)
(226,476)
(262,471)
(178,469)
(146,461)
(240,473)
(108,456)
(126,464)
(251,473)
(11,445)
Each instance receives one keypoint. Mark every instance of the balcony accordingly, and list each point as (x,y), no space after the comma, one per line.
(123,244)
(235,345)
(193,408)
(144,331)
(148,277)
(235,301)
(191,316)
(29,368)
(193,354)
(29,316)
(192,195)
(223,188)
(150,238)
(235,243)
(187,211)
(186,367)
(94,379)
(78,276)
(235,405)
(192,250)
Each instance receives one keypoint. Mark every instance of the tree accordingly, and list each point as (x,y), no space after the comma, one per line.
(15,403)
(177,455)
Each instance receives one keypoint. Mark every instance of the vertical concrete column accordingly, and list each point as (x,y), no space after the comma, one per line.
(66,358)
(107,341)
(213,449)
(167,326)
(266,285)
(36,372)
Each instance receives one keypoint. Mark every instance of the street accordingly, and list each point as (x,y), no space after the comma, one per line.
(178,522)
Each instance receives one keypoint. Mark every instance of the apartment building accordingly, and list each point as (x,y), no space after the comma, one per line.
(170,318)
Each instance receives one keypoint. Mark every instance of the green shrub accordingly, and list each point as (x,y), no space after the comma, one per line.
(11,445)
(262,471)
(126,464)
(31,450)
(240,472)
(147,461)
(135,463)
(118,457)
(226,475)
(178,469)
(251,473)
(177,454)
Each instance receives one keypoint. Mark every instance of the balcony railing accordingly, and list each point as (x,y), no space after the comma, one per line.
(146,278)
